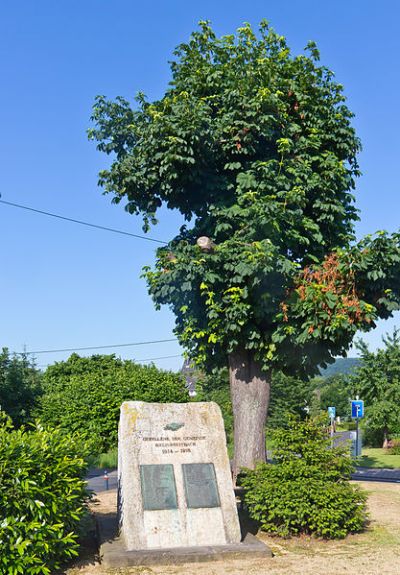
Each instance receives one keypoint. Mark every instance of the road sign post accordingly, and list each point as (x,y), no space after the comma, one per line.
(357,412)
(332,415)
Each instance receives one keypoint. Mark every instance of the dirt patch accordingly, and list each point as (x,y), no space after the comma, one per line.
(375,552)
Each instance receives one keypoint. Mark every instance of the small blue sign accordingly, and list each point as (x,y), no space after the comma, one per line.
(332,412)
(357,409)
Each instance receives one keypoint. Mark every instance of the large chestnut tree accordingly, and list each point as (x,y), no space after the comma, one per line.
(255,148)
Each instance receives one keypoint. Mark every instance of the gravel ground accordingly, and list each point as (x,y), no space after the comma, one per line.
(377,551)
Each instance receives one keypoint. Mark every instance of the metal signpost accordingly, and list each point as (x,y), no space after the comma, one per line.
(332,415)
(332,412)
(357,412)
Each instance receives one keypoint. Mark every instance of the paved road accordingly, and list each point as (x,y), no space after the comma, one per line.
(97,483)
(384,475)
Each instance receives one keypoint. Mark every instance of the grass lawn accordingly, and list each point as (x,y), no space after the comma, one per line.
(377,457)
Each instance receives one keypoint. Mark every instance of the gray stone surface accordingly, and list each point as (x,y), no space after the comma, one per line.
(174,479)
(113,552)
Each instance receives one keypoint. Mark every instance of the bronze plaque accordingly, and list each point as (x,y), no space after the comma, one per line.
(158,487)
(201,487)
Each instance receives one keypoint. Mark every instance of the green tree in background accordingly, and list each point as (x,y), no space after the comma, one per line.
(20,386)
(215,387)
(84,394)
(334,390)
(377,381)
(255,148)
(289,396)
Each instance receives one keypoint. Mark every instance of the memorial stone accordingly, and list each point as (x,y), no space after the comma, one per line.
(175,485)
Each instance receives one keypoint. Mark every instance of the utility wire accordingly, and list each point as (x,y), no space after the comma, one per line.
(134,359)
(154,358)
(93,347)
(82,223)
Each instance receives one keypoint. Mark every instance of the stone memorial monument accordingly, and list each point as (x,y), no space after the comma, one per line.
(175,486)
(176,502)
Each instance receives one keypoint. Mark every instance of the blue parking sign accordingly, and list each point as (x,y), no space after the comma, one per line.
(357,409)
(332,412)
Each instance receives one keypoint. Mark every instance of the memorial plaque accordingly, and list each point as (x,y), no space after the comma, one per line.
(158,487)
(174,478)
(201,487)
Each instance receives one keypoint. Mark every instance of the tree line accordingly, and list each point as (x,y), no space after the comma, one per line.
(85,393)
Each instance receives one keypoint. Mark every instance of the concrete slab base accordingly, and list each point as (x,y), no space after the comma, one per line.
(113,553)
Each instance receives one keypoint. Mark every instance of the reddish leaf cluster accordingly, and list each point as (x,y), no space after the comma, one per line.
(332,290)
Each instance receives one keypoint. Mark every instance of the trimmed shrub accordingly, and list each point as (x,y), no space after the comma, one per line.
(307,490)
(42,498)
(85,394)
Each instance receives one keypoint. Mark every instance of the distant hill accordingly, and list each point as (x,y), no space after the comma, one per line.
(341,365)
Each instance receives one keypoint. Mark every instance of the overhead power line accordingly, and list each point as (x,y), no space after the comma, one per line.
(154,358)
(82,223)
(138,360)
(36,352)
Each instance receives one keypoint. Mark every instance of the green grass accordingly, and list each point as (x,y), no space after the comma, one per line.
(377,457)
(107,460)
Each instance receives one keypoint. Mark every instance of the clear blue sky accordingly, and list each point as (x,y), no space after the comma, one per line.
(63,285)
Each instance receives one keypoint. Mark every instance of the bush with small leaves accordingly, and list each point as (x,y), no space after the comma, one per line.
(308,489)
(42,498)
(85,394)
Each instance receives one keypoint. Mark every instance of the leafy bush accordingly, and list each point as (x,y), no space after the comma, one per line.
(372,437)
(85,394)
(20,386)
(307,491)
(395,449)
(42,498)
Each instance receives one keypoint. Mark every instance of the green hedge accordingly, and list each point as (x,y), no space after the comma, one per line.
(307,490)
(42,498)
(85,394)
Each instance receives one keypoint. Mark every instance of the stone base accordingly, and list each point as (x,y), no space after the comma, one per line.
(114,554)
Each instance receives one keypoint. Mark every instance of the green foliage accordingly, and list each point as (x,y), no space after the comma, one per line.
(290,396)
(215,387)
(256,146)
(20,386)
(395,449)
(85,394)
(307,490)
(108,460)
(372,437)
(377,381)
(42,498)
(334,391)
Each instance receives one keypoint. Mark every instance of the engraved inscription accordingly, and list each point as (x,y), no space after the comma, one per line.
(201,487)
(174,444)
(158,487)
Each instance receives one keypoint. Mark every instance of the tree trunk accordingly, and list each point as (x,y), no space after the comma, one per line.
(250,389)
(385,438)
